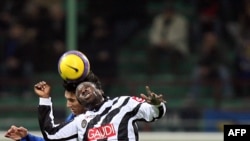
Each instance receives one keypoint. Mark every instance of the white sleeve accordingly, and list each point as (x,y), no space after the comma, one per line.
(152,112)
(147,111)
(50,130)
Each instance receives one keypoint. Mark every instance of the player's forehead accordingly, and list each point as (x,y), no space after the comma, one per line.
(86,84)
(69,94)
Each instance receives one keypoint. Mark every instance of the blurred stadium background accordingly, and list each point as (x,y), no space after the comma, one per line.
(36,32)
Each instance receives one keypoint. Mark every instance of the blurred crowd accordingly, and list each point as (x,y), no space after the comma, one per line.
(32,38)
(215,32)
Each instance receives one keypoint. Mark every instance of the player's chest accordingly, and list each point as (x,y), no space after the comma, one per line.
(97,127)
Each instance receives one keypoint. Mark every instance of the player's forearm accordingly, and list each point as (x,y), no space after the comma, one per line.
(161,109)
(153,112)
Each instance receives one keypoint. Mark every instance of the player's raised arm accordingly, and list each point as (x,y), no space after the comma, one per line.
(50,130)
(153,107)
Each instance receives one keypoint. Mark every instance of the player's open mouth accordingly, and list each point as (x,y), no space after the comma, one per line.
(86,95)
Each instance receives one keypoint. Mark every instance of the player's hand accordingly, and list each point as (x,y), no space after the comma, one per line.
(153,98)
(16,133)
(42,89)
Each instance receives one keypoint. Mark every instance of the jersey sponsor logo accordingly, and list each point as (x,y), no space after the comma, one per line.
(138,99)
(102,132)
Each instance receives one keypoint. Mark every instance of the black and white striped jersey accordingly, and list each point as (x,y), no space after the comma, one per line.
(115,120)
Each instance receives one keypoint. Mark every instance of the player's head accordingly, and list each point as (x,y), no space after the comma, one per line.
(91,77)
(72,103)
(89,95)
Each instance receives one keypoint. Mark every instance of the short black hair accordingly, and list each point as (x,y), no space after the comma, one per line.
(91,77)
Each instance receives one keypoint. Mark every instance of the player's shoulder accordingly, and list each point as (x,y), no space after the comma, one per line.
(132,98)
(87,114)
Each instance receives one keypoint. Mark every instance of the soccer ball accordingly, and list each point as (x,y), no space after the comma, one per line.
(73,65)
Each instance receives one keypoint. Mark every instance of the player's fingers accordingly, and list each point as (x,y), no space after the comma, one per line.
(22,128)
(154,95)
(162,100)
(23,132)
(148,90)
(147,98)
(13,128)
(144,96)
(10,131)
(159,96)
(151,95)
(38,86)
(40,83)
(7,135)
